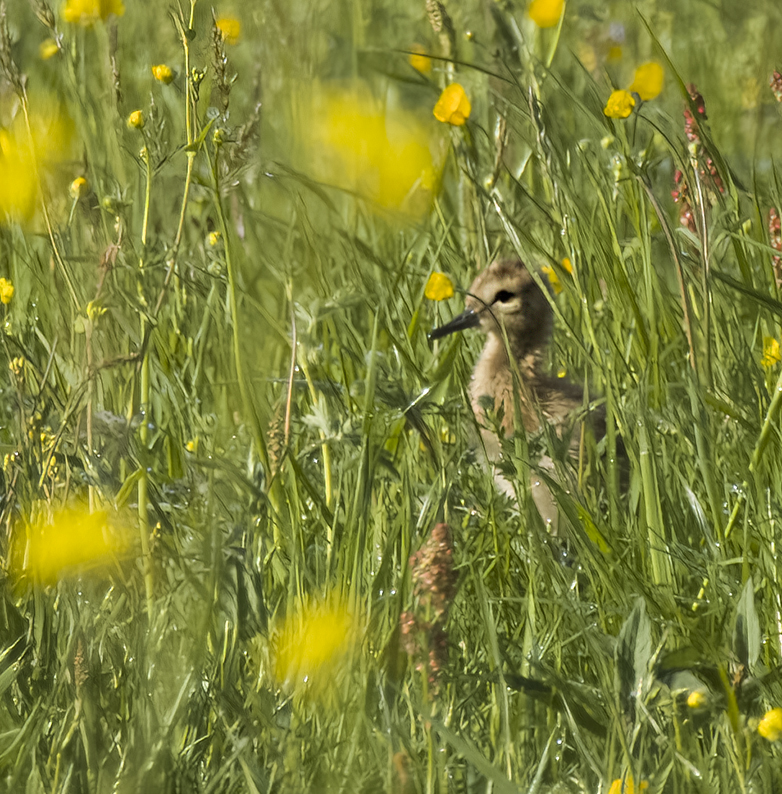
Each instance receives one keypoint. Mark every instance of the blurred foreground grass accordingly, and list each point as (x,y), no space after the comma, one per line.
(229,451)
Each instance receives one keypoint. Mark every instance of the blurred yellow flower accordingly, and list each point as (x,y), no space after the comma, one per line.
(162,73)
(453,106)
(696,699)
(79,188)
(378,151)
(648,80)
(88,12)
(546,13)
(94,311)
(419,60)
(770,727)
(18,188)
(620,105)
(6,291)
(213,238)
(552,276)
(439,287)
(48,49)
(771,352)
(313,645)
(628,788)
(136,119)
(231,29)
(73,540)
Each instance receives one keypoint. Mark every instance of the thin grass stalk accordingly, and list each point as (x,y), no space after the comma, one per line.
(146,418)
(769,427)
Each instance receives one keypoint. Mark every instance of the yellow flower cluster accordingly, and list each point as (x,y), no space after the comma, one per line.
(453,106)
(647,84)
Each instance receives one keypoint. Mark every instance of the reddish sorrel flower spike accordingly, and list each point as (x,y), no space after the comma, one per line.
(775,82)
(775,240)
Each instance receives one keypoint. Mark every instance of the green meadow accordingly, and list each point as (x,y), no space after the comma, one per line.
(228,445)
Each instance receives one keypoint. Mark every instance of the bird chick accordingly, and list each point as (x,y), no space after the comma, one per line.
(506,297)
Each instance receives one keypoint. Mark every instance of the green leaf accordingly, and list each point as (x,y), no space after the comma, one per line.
(746,632)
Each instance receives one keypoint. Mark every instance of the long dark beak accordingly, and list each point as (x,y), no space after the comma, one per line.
(467,319)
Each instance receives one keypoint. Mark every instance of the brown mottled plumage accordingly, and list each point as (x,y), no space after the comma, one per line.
(505,296)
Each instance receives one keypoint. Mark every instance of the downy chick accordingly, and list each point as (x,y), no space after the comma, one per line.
(505,296)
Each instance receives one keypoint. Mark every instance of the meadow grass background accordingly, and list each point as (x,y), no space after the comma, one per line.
(257,493)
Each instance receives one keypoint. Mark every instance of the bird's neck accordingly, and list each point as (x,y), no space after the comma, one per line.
(529,359)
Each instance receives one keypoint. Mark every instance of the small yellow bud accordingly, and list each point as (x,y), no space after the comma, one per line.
(419,60)
(136,120)
(162,73)
(213,238)
(79,188)
(696,699)
(48,49)
(6,291)
(94,311)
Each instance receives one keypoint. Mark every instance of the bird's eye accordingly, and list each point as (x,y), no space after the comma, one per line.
(503,296)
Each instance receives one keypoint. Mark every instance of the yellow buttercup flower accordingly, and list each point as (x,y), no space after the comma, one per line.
(439,287)
(419,60)
(313,645)
(231,29)
(552,276)
(546,13)
(770,727)
(620,105)
(79,187)
(88,12)
(136,119)
(771,352)
(696,699)
(162,73)
(648,80)
(6,291)
(628,787)
(48,49)
(453,106)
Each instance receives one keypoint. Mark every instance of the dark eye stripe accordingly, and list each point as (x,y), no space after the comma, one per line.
(503,296)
